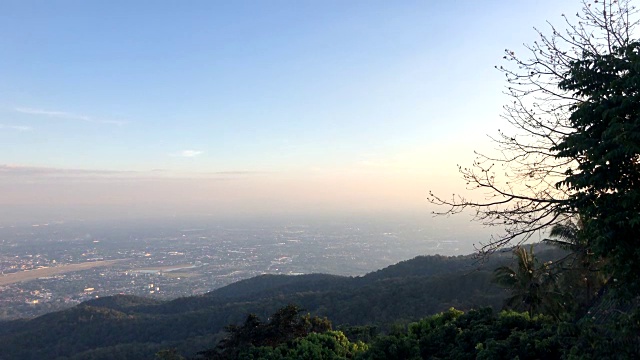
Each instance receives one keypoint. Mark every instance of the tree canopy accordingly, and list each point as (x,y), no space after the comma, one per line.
(574,147)
(532,285)
(605,185)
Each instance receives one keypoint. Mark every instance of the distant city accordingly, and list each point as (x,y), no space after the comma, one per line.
(51,266)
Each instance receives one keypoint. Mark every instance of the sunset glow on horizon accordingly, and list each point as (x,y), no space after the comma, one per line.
(143,107)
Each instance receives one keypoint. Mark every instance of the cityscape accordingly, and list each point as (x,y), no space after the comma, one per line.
(53,266)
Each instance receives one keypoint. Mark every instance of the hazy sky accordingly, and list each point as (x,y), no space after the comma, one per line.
(241,106)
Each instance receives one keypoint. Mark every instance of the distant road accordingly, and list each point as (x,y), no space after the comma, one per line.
(51,271)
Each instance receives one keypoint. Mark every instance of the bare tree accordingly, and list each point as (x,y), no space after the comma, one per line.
(521,183)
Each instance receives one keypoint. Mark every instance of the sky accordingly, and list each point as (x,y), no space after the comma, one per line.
(137,108)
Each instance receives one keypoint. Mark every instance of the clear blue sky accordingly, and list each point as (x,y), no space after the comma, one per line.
(286,88)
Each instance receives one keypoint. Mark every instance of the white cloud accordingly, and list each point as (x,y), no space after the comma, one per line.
(60,114)
(7,170)
(16,127)
(66,115)
(39,173)
(189,153)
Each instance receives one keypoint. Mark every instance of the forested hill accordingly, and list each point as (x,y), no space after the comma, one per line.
(128,327)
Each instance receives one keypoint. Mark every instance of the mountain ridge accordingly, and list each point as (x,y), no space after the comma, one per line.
(402,292)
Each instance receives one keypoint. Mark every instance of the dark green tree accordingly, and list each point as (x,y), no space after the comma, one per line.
(478,334)
(285,325)
(574,145)
(581,272)
(169,354)
(518,181)
(532,285)
(604,182)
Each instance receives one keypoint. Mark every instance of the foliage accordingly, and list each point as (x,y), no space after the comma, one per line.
(605,184)
(169,354)
(399,294)
(478,334)
(482,334)
(532,285)
(287,335)
(534,181)
(393,347)
(328,345)
(616,339)
(404,292)
(364,333)
(285,325)
(581,273)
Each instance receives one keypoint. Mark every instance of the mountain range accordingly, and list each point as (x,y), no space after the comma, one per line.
(129,327)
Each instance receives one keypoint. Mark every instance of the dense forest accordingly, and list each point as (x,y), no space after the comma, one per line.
(130,327)
(387,314)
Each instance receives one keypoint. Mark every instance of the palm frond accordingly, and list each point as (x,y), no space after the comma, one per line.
(567,232)
(564,245)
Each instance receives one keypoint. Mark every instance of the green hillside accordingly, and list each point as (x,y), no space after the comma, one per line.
(126,324)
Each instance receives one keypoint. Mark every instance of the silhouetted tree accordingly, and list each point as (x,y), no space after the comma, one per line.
(581,273)
(524,181)
(532,285)
(574,143)
(605,184)
(169,354)
(284,325)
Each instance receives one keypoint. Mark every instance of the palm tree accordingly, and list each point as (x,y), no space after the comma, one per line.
(532,286)
(569,236)
(581,269)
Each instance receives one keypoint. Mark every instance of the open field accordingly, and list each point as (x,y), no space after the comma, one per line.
(51,271)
